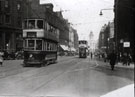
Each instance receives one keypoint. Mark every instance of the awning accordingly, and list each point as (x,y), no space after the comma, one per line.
(73,49)
(64,47)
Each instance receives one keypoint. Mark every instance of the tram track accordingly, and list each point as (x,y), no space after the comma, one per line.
(58,75)
(42,70)
(13,70)
(42,76)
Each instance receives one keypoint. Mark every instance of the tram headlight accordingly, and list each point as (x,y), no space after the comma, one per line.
(31,57)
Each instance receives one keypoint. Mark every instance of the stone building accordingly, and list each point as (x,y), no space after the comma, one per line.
(124,25)
(11,25)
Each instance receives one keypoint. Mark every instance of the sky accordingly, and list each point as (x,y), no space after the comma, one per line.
(84,14)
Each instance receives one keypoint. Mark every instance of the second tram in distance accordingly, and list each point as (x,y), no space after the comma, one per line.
(40,42)
(83,48)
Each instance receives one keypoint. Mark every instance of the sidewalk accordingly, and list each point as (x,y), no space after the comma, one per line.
(127,91)
(119,64)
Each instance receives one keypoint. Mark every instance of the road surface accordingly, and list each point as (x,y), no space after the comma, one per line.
(70,77)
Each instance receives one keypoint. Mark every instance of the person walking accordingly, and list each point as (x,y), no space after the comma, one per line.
(112,59)
(91,54)
(105,57)
(126,59)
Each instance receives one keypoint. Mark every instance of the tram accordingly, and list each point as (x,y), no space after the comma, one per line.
(83,48)
(40,42)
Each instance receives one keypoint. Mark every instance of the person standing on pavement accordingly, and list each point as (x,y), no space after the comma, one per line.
(112,59)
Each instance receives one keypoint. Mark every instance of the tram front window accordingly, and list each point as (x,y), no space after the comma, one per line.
(38,44)
(40,24)
(31,24)
(31,44)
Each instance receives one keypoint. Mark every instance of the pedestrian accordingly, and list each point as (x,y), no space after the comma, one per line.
(126,59)
(112,59)
(91,54)
(105,57)
(1,58)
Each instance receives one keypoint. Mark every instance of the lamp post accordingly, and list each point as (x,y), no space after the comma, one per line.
(101,13)
(115,32)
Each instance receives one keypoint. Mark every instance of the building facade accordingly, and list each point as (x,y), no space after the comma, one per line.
(124,25)
(12,14)
(11,25)
(106,41)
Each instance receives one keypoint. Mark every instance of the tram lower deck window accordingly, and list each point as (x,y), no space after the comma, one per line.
(38,44)
(30,43)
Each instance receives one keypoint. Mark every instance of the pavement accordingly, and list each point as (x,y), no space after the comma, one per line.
(119,64)
(127,91)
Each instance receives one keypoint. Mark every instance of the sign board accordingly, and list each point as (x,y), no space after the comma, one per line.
(126,44)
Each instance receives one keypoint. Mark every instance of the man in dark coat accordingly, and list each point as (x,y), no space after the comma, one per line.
(112,58)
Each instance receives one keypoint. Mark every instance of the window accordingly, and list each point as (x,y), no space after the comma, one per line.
(0,5)
(31,24)
(7,19)
(6,3)
(1,19)
(38,44)
(18,6)
(31,43)
(40,24)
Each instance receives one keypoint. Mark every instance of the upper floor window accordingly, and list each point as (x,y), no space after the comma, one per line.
(18,6)
(6,3)
(0,5)
(1,19)
(7,6)
(7,19)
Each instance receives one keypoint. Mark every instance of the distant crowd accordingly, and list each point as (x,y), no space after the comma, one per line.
(125,58)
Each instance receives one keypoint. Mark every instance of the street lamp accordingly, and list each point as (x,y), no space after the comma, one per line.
(101,13)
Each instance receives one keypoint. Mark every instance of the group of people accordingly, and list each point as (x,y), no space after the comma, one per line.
(112,57)
(4,55)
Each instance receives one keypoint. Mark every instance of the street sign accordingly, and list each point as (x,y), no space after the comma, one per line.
(126,44)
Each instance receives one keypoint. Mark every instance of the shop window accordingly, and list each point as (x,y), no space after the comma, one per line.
(31,24)
(19,23)
(6,3)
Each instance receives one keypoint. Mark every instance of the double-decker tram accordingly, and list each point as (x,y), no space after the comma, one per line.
(40,42)
(83,49)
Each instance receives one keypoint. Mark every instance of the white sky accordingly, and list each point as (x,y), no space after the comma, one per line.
(84,14)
